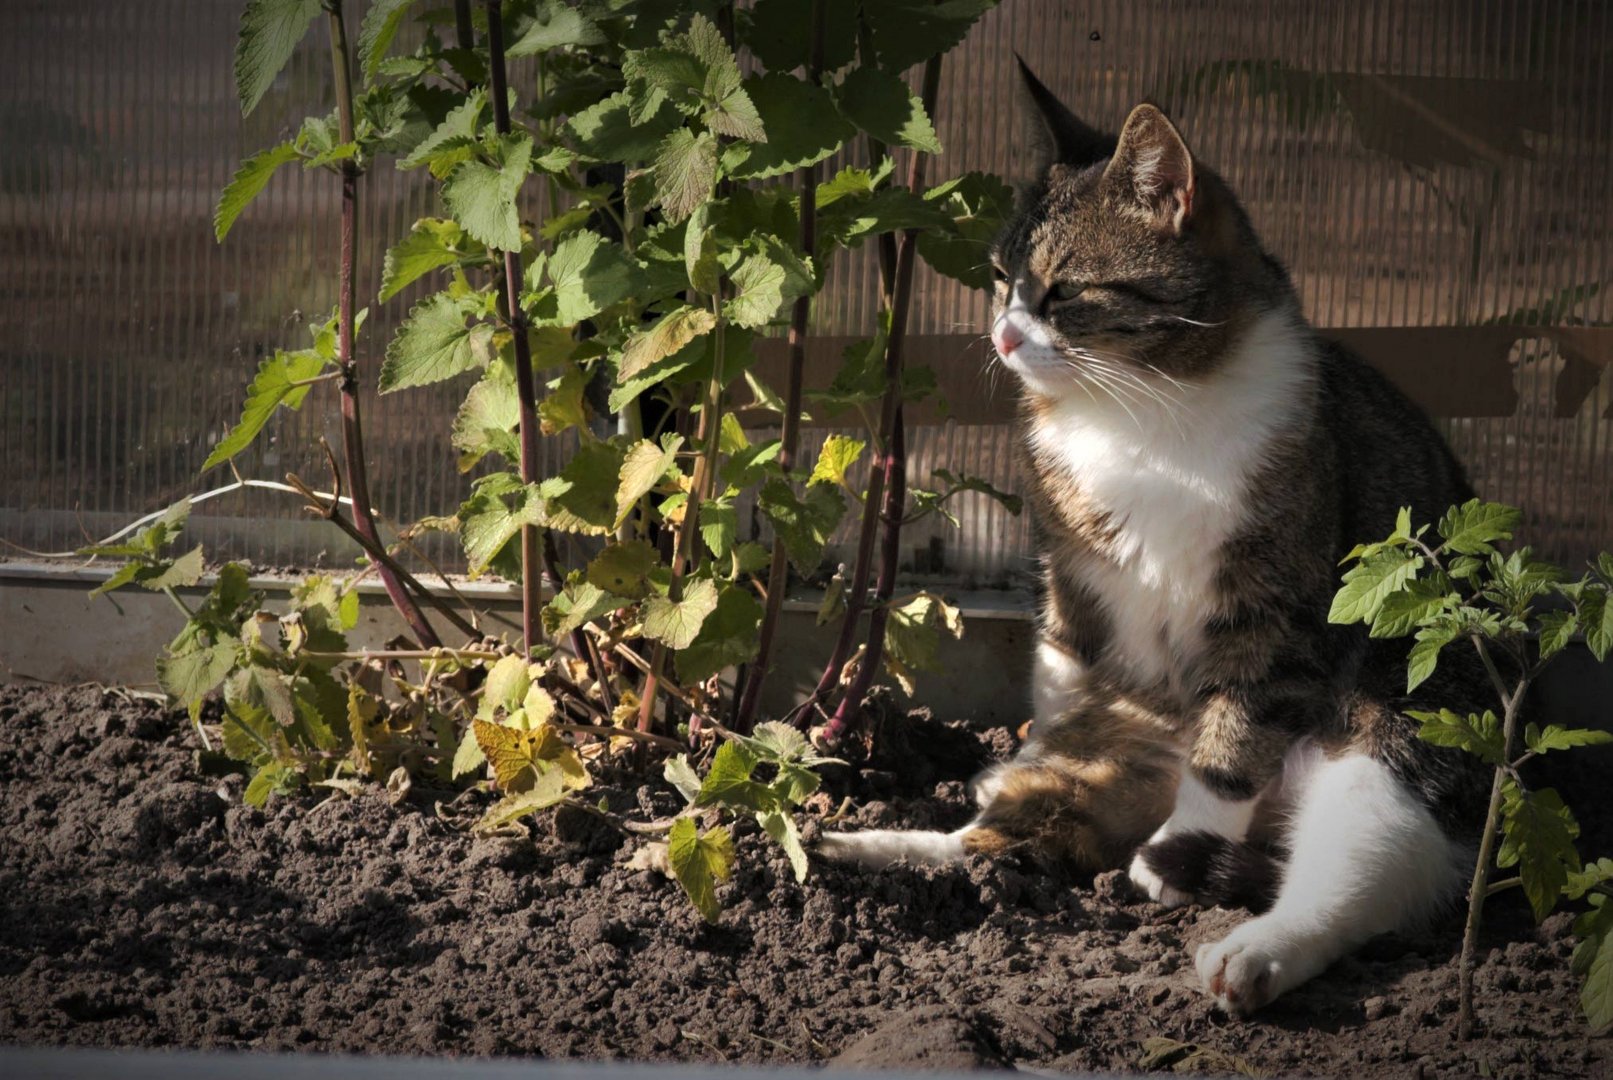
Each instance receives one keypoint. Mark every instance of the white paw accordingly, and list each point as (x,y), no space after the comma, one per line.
(1154,885)
(1252,966)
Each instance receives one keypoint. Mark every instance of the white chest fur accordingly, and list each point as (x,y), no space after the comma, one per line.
(1173,479)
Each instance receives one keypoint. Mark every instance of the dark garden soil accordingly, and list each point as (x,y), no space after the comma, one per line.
(144,905)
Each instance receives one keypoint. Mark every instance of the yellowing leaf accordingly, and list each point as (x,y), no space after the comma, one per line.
(839,453)
(699,861)
(623,568)
(642,468)
(672,332)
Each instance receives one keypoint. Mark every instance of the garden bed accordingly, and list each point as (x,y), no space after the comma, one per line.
(145,905)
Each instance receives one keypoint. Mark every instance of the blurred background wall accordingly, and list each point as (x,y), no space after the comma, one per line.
(1420,165)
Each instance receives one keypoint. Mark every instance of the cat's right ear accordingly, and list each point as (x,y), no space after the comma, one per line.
(1059,136)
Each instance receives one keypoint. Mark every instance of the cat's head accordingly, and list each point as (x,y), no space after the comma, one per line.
(1127,258)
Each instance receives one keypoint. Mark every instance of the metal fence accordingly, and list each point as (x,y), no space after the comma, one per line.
(1424,164)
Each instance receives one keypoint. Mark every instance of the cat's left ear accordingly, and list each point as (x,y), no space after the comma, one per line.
(1153,164)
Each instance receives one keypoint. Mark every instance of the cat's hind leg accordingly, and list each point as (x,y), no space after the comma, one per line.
(1367,857)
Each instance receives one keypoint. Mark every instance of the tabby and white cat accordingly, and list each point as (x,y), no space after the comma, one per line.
(1199,462)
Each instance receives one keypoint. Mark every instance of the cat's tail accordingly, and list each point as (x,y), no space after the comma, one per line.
(881,847)
(1216,871)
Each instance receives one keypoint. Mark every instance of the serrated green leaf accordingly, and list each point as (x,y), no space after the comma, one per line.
(555,25)
(481,197)
(606,131)
(1596,620)
(185,570)
(879,102)
(804,524)
(468,757)
(1538,834)
(271,778)
(547,790)
(583,497)
(1368,582)
(699,861)
(759,292)
(850,220)
(590,274)
(434,344)
(454,138)
(275,384)
(642,468)
(727,637)
(193,675)
(839,453)
(671,333)
(978,205)
(1556,631)
(719,526)
(907,32)
(780,34)
(729,781)
(577,604)
(380,26)
(676,623)
(487,419)
(270,31)
(803,128)
(249,181)
(624,568)
(1403,611)
(565,406)
(497,509)
(432,243)
(780,825)
(1424,655)
(700,251)
(1596,996)
(1561,738)
(507,683)
(1474,527)
(913,633)
(685,172)
(1478,734)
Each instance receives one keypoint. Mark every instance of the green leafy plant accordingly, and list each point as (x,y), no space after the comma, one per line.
(619,223)
(1517,612)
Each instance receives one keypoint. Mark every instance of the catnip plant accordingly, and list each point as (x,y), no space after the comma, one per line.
(631,195)
(1456,588)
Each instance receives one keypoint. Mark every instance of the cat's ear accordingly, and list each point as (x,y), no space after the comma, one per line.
(1153,165)
(1059,136)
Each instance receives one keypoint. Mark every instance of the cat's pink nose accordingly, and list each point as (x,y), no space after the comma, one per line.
(1005,336)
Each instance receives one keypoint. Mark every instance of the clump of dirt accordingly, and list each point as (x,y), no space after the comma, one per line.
(142,904)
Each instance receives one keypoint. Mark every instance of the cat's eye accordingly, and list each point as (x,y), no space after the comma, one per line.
(999,276)
(1065,291)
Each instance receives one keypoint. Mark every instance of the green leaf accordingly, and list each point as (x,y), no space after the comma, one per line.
(759,292)
(1538,834)
(676,623)
(274,385)
(1477,734)
(578,604)
(804,524)
(590,274)
(685,172)
(780,35)
(606,131)
(481,197)
(565,406)
(803,128)
(727,637)
(1424,655)
(699,861)
(1560,738)
(1596,619)
(271,778)
(958,483)
(250,179)
(681,775)
(432,243)
(1556,631)
(719,526)
(700,251)
(434,344)
(674,330)
(624,568)
(191,676)
(642,469)
(507,683)
(728,782)
(1368,582)
(454,139)
(780,825)
(913,633)
(555,25)
(978,204)
(839,453)
(1404,611)
(849,221)
(1594,958)
(583,497)
(879,102)
(270,30)
(487,420)
(499,505)
(185,570)
(547,789)
(1475,526)
(380,26)
(907,32)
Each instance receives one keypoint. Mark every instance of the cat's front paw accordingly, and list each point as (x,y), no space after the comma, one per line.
(1148,881)
(1254,965)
